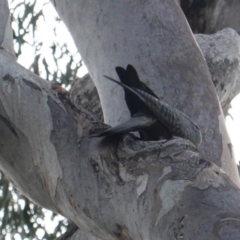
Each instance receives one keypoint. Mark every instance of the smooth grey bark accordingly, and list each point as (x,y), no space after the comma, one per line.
(211,16)
(222,53)
(159,43)
(118,188)
(142,190)
(6,38)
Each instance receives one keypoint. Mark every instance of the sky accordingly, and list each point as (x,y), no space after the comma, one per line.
(233,126)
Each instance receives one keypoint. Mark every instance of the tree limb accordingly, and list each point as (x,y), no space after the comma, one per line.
(121,188)
(6,38)
(90,185)
(177,63)
(221,51)
(211,16)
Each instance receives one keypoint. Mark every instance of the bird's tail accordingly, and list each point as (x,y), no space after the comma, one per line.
(135,123)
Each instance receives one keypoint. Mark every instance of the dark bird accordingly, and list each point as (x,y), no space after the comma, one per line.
(142,120)
(153,118)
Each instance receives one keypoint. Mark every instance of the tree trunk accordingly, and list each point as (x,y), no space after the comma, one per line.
(222,54)
(211,16)
(123,188)
(159,43)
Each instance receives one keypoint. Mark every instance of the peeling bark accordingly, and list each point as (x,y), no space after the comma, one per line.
(222,53)
(124,187)
(120,188)
(177,62)
(84,89)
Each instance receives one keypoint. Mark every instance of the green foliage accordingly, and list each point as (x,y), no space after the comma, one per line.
(18,214)
(51,57)
(53,60)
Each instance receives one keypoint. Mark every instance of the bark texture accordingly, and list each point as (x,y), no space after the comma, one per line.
(82,90)
(159,43)
(222,54)
(113,188)
(121,188)
(211,16)
(6,37)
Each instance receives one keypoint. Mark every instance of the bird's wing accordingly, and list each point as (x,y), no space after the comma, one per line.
(132,74)
(177,122)
(130,79)
(135,123)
